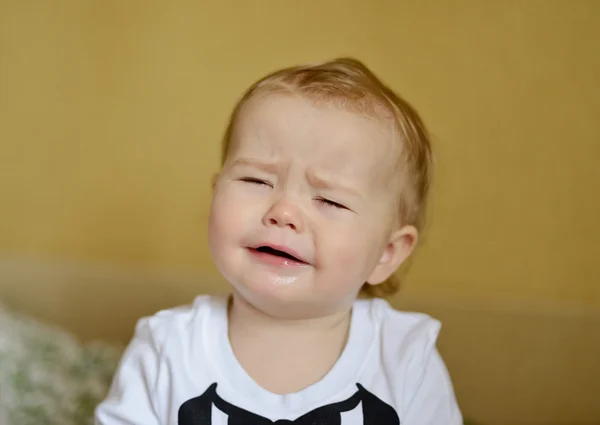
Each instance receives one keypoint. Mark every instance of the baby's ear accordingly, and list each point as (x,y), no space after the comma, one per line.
(400,245)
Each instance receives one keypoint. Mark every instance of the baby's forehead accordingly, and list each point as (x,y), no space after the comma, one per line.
(373,164)
(328,135)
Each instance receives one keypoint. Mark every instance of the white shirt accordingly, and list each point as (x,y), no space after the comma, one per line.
(179,369)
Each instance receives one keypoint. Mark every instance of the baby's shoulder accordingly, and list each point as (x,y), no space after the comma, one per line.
(402,334)
(174,326)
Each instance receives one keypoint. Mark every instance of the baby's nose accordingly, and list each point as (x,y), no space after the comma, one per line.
(285,214)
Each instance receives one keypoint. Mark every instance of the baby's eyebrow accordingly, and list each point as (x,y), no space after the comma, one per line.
(323,182)
(266,166)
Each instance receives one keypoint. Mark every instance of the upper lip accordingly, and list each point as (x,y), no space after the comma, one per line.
(281,248)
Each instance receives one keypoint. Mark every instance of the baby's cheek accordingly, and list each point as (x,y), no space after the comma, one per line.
(223,221)
(349,252)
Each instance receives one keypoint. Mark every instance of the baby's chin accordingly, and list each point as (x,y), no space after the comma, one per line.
(284,299)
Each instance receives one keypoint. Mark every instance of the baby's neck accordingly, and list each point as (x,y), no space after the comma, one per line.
(244,315)
(285,356)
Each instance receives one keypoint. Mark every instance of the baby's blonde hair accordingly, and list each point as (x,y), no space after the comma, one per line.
(349,84)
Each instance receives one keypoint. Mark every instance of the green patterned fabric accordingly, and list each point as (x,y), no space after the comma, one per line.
(47,376)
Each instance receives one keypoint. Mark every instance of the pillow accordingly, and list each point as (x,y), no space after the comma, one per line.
(47,375)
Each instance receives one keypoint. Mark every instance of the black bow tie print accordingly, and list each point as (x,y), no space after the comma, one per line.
(325,415)
(198,411)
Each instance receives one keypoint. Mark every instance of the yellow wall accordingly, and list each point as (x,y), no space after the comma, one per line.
(111,114)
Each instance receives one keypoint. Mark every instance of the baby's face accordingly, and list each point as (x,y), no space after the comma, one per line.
(304,206)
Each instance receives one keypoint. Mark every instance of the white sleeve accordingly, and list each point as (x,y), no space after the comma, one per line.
(130,400)
(433,402)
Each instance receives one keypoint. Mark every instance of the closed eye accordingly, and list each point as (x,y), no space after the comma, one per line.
(331,203)
(256,181)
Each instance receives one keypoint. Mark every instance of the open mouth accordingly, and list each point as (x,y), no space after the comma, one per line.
(278,253)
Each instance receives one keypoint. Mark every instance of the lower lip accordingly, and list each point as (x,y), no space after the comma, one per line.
(275,260)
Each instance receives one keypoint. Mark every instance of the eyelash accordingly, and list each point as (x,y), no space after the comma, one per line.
(324,201)
(330,203)
(256,181)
